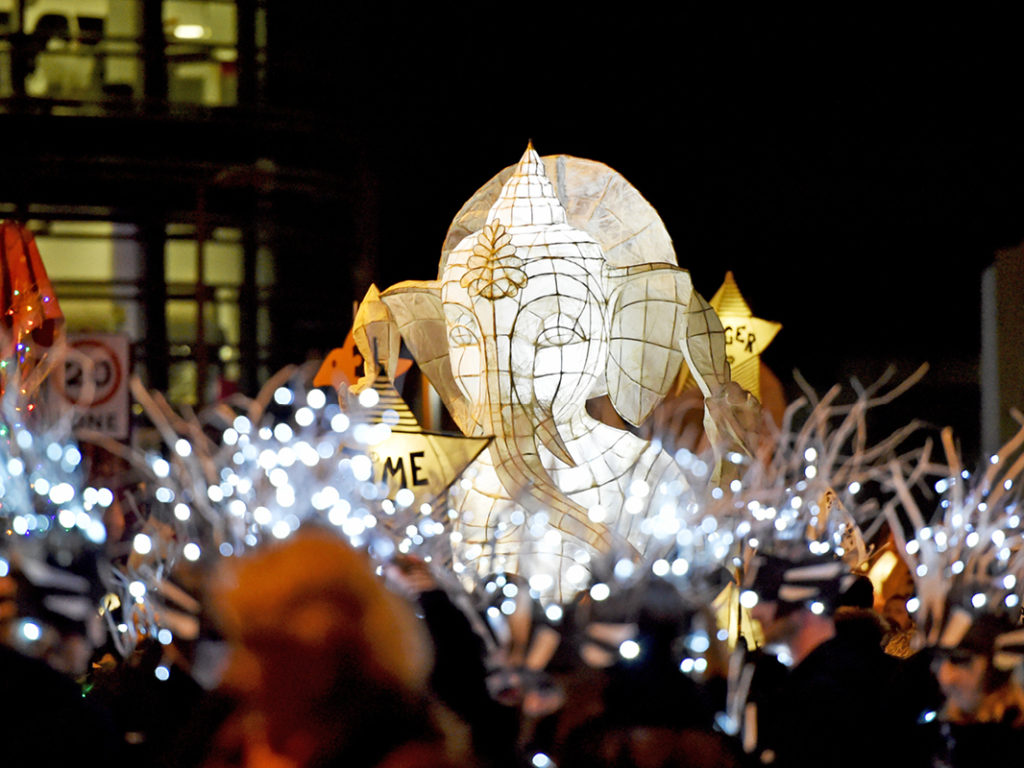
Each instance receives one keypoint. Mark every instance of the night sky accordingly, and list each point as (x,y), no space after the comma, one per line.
(856,172)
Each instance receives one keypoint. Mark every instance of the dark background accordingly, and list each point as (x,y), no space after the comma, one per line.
(856,170)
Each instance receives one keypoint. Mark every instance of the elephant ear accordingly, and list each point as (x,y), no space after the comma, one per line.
(647,308)
(417,310)
(704,346)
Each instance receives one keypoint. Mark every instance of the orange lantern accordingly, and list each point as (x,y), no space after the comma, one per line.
(31,321)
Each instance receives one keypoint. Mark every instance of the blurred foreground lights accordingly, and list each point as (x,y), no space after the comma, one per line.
(629,649)
(699,643)
(102,497)
(281,529)
(686,666)
(66,518)
(553,612)
(368,398)
(1012,601)
(540,760)
(340,422)
(183,447)
(913,604)
(31,631)
(162,673)
(600,592)
(748,598)
(541,582)
(661,567)
(353,527)
(164,636)
(979,599)
(142,544)
(576,573)
(191,551)
(5,568)
(161,468)
(182,512)
(817,608)
(316,399)
(362,467)
(262,516)
(284,396)
(624,569)
(404,498)
(137,590)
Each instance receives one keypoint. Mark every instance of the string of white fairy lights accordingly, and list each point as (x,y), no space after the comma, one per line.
(249,471)
(966,557)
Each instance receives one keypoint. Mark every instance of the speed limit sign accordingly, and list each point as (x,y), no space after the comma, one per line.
(95,379)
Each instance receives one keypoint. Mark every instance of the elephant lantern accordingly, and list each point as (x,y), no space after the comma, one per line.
(529,318)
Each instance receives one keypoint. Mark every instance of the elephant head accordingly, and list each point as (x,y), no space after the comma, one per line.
(528,319)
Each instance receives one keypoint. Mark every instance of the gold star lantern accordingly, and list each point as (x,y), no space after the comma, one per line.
(746,336)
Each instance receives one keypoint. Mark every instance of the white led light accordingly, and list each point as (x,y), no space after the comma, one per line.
(600,592)
(31,631)
(193,32)
(629,649)
(304,417)
(748,598)
(142,544)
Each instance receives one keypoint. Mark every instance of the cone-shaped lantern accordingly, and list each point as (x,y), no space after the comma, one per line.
(30,318)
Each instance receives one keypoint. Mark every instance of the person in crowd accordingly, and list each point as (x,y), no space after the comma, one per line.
(837,689)
(329,667)
(459,673)
(982,719)
(629,703)
(46,718)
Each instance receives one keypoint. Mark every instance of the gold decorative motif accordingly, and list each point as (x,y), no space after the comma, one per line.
(494,270)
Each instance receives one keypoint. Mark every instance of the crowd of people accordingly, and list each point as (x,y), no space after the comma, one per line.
(331,661)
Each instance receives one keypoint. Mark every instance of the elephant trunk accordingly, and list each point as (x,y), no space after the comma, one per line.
(518,464)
